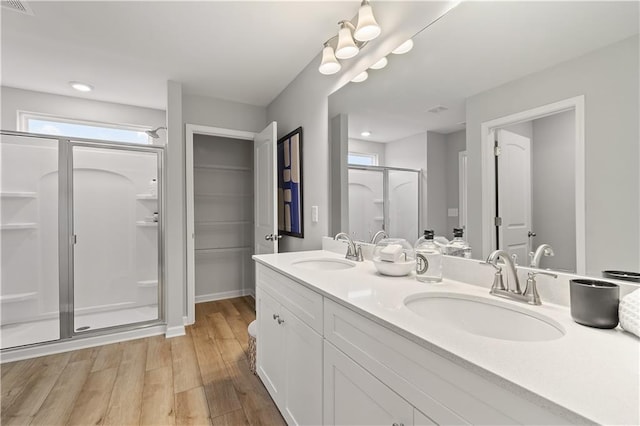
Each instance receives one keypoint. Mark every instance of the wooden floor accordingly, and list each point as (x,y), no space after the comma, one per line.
(201,378)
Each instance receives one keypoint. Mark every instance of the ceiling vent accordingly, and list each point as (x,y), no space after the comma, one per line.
(437,109)
(17,6)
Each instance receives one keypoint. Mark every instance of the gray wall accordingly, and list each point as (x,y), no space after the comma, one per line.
(608,78)
(436,183)
(220,113)
(553,182)
(455,143)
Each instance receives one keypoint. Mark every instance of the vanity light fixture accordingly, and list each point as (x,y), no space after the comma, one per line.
(350,39)
(329,64)
(81,87)
(366,133)
(346,44)
(367,28)
(380,64)
(360,77)
(403,48)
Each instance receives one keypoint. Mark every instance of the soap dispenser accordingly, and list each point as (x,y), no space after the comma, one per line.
(428,259)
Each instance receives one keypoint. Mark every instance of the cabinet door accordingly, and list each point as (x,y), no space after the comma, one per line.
(352,396)
(270,345)
(303,371)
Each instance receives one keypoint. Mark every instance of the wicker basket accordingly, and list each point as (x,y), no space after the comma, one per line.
(253,332)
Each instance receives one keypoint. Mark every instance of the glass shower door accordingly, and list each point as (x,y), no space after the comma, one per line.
(115,239)
(366,203)
(29,291)
(403,202)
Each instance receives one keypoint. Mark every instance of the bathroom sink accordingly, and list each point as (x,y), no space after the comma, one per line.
(484,317)
(324,264)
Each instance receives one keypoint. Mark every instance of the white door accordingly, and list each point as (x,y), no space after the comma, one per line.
(265,190)
(352,396)
(514,193)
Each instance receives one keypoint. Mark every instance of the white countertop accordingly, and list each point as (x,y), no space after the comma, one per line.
(591,373)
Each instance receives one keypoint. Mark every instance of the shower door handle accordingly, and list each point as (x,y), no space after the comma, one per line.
(74,239)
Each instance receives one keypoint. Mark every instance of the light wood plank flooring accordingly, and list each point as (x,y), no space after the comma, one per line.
(202,378)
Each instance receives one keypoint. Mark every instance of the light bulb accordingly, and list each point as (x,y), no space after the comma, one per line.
(81,87)
(360,77)
(403,48)
(346,46)
(329,64)
(380,64)
(367,28)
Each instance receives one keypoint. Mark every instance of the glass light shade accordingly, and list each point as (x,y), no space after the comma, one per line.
(360,77)
(346,46)
(367,28)
(380,64)
(329,64)
(403,48)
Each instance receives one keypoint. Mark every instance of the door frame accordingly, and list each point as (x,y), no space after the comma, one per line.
(190,131)
(487,131)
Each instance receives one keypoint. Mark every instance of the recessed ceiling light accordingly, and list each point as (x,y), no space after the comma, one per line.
(380,64)
(403,48)
(81,87)
(365,133)
(360,77)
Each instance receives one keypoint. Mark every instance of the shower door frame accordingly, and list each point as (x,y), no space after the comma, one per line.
(66,236)
(385,188)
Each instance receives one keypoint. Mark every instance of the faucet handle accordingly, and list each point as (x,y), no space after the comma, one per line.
(359,257)
(531,289)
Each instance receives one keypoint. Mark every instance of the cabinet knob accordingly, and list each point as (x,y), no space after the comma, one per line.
(280,320)
(275,316)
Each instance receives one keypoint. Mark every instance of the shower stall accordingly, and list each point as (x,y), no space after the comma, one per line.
(81,238)
(386,198)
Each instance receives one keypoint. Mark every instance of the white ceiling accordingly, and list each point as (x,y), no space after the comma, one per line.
(241,51)
(476,47)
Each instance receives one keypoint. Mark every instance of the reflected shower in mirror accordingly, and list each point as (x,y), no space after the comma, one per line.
(523,117)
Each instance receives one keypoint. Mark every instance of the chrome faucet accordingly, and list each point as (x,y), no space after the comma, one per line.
(530,294)
(379,236)
(508,261)
(542,250)
(353,252)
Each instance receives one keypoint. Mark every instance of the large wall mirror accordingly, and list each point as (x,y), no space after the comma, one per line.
(522,119)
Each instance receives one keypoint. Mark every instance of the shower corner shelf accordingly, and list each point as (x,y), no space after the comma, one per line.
(146,224)
(19,297)
(15,226)
(146,197)
(17,194)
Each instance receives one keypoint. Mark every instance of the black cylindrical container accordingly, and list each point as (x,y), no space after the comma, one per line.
(594,303)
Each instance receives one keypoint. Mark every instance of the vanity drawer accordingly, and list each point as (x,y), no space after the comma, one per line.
(304,303)
(448,393)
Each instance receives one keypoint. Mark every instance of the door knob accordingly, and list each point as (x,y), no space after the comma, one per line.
(268,237)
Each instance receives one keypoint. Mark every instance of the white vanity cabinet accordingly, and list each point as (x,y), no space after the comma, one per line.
(289,349)
(324,363)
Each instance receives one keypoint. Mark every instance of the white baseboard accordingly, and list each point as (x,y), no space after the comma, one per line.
(18,354)
(175,331)
(222,295)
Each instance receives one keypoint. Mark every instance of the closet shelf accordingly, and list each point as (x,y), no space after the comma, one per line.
(146,224)
(214,196)
(225,168)
(222,250)
(10,194)
(15,226)
(19,297)
(147,283)
(146,197)
(223,223)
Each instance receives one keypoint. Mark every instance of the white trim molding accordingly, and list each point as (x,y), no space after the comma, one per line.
(488,130)
(211,297)
(190,131)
